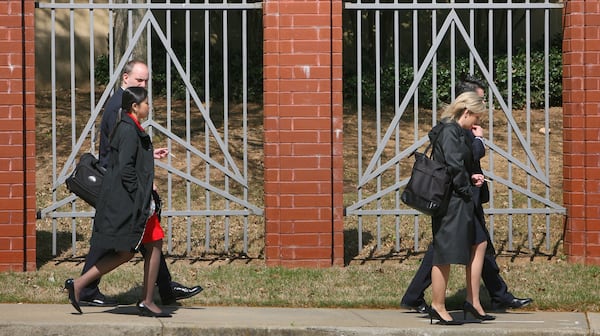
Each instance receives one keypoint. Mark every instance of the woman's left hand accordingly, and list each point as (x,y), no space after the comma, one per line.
(477,179)
(160,153)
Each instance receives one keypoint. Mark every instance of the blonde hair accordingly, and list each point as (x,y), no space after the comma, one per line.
(467,100)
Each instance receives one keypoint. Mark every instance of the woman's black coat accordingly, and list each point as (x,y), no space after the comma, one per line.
(453,230)
(124,202)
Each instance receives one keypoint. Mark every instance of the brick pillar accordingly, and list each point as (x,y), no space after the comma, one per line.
(581,122)
(17,136)
(303,133)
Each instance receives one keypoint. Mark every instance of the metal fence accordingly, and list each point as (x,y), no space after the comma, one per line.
(199,111)
(408,57)
(401,62)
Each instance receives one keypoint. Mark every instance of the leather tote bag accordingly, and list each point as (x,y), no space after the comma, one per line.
(429,184)
(86,180)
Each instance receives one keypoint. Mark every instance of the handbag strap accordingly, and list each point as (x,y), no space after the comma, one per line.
(437,129)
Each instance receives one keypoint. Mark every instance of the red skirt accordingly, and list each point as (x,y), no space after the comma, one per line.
(153,231)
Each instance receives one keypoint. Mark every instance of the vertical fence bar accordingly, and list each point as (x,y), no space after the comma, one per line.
(206,129)
(378,110)
(509,46)
(73,114)
(415,64)
(547,113)
(188,130)
(226,114)
(359,112)
(528,115)
(53,98)
(245,115)
(490,98)
(169,75)
(397,132)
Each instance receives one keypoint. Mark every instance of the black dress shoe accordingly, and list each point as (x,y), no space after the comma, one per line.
(99,300)
(515,303)
(145,311)
(182,292)
(70,287)
(422,308)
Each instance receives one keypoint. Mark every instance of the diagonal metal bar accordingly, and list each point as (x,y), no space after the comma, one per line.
(368,174)
(396,186)
(54,206)
(238,178)
(451,18)
(194,94)
(91,121)
(498,96)
(542,178)
(405,153)
(256,210)
(523,191)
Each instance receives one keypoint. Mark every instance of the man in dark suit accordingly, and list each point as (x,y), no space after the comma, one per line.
(501,298)
(135,73)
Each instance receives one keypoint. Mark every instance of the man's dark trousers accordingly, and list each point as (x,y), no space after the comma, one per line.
(490,274)
(95,253)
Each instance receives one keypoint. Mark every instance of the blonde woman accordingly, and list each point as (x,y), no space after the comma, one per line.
(454,241)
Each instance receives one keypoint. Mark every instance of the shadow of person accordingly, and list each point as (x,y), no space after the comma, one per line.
(351,244)
(43,246)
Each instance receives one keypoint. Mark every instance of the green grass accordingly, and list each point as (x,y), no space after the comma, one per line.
(554,284)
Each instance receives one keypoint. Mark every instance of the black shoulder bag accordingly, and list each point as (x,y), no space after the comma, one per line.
(86,179)
(429,183)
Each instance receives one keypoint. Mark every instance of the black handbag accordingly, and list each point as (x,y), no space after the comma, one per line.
(429,184)
(86,180)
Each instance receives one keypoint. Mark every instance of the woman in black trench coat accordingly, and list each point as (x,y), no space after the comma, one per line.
(453,231)
(124,203)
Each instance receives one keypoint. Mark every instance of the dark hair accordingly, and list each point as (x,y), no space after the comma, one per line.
(133,95)
(469,83)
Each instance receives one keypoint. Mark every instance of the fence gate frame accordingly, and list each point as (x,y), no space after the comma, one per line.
(233,171)
(369,204)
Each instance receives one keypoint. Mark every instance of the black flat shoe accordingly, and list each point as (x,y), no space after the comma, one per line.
(70,287)
(468,307)
(145,311)
(433,314)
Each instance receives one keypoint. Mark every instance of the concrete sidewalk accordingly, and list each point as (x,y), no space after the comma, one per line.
(59,319)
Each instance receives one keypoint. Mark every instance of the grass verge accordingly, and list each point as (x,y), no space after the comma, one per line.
(555,285)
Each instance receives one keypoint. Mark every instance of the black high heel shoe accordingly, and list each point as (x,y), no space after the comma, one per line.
(70,287)
(468,307)
(433,314)
(145,311)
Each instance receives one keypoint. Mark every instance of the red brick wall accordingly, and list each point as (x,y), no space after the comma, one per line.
(581,122)
(17,137)
(303,133)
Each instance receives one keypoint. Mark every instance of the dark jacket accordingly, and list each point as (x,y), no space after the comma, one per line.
(481,194)
(124,203)
(109,120)
(453,230)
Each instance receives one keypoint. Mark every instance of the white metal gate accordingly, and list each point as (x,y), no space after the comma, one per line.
(208,136)
(439,41)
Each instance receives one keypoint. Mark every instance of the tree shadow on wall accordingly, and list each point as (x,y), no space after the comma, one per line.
(43,244)
(351,244)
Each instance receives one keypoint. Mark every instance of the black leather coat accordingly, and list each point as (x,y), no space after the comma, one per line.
(453,231)
(124,203)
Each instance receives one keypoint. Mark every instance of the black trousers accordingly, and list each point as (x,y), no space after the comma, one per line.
(163,280)
(490,274)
